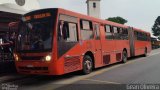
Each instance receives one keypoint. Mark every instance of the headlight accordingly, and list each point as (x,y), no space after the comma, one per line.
(48,58)
(16,57)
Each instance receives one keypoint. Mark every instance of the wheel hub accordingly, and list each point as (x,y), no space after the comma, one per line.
(88,65)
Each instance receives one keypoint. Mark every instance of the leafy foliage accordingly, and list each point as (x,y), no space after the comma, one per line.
(156,27)
(117,20)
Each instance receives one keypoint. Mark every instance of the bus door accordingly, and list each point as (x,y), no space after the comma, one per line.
(131,42)
(98,46)
(108,45)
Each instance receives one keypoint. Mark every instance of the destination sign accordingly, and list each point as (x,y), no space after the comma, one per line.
(37,16)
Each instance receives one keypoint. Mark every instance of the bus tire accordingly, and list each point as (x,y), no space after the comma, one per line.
(87,65)
(124,56)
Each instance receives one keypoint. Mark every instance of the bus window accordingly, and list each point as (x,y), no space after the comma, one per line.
(116,33)
(139,36)
(135,35)
(146,37)
(86,30)
(109,31)
(67,36)
(35,35)
(73,37)
(143,37)
(120,34)
(115,29)
(63,32)
(125,34)
(67,32)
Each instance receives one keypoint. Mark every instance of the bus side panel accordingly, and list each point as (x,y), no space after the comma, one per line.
(108,49)
(89,46)
(68,45)
(120,46)
(142,42)
(139,47)
(98,45)
(70,61)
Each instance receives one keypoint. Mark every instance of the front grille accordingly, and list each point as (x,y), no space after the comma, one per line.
(33,68)
(31,57)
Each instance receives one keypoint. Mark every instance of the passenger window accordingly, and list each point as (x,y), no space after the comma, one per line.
(115,29)
(108,30)
(125,34)
(67,32)
(116,33)
(135,35)
(120,30)
(86,30)
(72,33)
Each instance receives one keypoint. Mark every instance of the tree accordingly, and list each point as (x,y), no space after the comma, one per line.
(117,20)
(156,28)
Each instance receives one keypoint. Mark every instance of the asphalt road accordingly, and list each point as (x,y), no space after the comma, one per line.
(138,70)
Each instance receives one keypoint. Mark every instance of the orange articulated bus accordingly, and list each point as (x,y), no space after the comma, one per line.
(57,41)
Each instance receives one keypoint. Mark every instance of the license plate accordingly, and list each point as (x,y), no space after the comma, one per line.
(29,65)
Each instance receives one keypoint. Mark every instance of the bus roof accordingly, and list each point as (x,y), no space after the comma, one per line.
(92,18)
(68,12)
(140,30)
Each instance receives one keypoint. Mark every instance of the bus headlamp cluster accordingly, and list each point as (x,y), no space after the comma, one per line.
(48,58)
(16,57)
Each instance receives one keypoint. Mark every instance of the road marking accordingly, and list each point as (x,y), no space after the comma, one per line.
(108,82)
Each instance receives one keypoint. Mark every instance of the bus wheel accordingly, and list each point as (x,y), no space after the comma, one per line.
(124,56)
(87,64)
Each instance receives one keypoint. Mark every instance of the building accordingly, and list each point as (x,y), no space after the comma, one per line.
(18,6)
(11,11)
(93,8)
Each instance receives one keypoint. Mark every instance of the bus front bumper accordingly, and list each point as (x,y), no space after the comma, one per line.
(36,68)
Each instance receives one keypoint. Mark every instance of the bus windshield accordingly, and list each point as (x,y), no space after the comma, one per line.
(35,35)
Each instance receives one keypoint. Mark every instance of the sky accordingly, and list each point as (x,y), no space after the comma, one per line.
(139,13)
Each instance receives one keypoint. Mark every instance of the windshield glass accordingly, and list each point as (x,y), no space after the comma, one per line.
(35,35)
